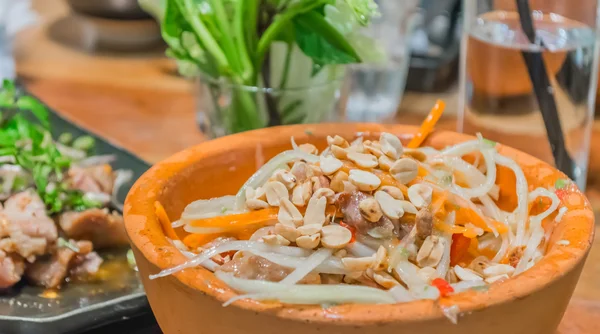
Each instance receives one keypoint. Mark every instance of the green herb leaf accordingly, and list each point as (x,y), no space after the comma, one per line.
(489,143)
(65,138)
(131,260)
(481,288)
(84,143)
(364,10)
(62,243)
(8,93)
(561,183)
(322,42)
(36,108)
(404,252)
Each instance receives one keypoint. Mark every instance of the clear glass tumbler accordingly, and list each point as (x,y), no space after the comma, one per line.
(515,79)
(373,90)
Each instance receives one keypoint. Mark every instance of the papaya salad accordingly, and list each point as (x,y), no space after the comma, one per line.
(371,221)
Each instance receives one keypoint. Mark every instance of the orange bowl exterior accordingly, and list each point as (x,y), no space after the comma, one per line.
(191,301)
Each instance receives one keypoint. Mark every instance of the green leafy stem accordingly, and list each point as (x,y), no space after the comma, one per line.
(230,40)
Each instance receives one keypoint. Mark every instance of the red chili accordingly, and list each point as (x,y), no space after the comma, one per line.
(459,248)
(561,193)
(352,229)
(442,285)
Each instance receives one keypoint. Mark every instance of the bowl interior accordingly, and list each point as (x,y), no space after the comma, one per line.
(221,166)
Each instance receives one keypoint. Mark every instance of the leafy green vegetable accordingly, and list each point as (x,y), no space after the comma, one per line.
(131,260)
(35,107)
(364,10)
(231,41)
(481,288)
(561,183)
(322,42)
(25,135)
(84,143)
(62,243)
(65,138)
(489,143)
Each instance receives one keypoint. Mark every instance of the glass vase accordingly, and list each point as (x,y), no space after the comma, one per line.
(225,108)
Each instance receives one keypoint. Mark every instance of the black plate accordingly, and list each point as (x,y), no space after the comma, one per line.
(83,306)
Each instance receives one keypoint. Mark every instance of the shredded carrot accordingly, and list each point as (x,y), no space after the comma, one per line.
(107,168)
(460,247)
(193,241)
(248,221)
(164,221)
(422,172)
(456,229)
(506,180)
(388,180)
(466,215)
(437,203)
(238,221)
(428,125)
(460,179)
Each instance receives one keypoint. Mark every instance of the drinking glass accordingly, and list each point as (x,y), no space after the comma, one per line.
(501,92)
(372,90)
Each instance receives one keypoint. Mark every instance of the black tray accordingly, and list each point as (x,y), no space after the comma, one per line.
(90,306)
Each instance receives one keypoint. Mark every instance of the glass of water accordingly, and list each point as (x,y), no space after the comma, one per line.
(372,91)
(499,98)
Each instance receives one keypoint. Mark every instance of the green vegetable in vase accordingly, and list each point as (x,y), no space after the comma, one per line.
(238,42)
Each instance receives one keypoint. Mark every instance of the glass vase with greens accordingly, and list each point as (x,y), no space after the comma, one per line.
(265,62)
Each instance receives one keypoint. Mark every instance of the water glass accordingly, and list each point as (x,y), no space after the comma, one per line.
(498,96)
(372,91)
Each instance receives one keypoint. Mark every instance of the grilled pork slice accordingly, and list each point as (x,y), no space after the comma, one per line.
(25,229)
(101,227)
(85,264)
(258,268)
(27,211)
(96,179)
(384,228)
(51,271)
(11,269)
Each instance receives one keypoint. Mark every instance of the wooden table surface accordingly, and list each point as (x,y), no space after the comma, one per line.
(137,102)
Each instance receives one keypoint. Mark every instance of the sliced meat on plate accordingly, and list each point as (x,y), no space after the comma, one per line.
(25,246)
(101,227)
(25,228)
(51,271)
(27,211)
(92,179)
(11,269)
(85,264)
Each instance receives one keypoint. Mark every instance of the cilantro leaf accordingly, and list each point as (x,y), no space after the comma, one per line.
(561,183)
(489,143)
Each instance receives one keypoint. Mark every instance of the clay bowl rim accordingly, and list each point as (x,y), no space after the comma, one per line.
(146,235)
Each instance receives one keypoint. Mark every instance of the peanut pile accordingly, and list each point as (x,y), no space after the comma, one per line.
(383,171)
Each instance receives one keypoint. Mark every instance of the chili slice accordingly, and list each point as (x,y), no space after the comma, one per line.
(442,285)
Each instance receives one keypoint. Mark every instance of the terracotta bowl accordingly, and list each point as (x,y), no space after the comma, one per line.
(191,301)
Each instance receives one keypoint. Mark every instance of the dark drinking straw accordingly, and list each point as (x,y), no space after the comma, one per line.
(544,93)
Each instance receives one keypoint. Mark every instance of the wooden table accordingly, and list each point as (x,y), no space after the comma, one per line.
(136,102)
